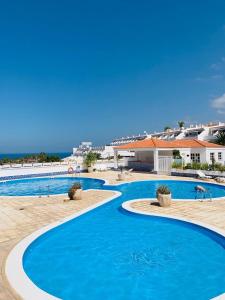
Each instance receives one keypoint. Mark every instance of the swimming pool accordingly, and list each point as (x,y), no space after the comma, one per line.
(60,185)
(46,185)
(108,253)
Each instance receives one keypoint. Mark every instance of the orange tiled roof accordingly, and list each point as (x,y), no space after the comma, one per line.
(157,143)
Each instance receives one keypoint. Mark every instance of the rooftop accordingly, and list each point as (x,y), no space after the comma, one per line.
(157,143)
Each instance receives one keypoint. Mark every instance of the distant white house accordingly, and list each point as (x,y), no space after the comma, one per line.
(106,151)
(82,149)
(156,154)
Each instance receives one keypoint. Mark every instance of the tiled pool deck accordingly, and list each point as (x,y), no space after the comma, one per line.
(20,216)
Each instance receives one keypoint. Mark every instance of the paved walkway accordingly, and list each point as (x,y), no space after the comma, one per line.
(21,216)
(212,213)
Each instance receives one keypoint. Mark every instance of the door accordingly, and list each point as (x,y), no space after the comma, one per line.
(165,164)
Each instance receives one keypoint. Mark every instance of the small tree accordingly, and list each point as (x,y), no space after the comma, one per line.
(181,124)
(176,153)
(42,157)
(90,159)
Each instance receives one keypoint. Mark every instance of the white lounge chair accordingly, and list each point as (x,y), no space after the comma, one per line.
(128,172)
(202,175)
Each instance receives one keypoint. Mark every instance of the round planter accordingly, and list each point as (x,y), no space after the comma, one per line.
(164,200)
(78,194)
(90,169)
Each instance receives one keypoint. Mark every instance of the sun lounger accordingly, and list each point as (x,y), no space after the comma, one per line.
(202,175)
(128,172)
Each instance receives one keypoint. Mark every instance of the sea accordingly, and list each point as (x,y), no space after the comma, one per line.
(19,155)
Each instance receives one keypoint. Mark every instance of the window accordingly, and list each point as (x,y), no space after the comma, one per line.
(212,156)
(195,157)
(219,155)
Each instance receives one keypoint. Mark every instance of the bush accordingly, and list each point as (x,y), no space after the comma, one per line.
(177,165)
(163,189)
(222,168)
(196,166)
(205,166)
(188,166)
(76,186)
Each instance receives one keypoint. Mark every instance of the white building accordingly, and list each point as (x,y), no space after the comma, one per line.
(82,149)
(156,155)
(203,132)
(106,151)
(207,132)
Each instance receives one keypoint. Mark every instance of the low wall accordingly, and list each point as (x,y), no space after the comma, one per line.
(140,166)
(33,171)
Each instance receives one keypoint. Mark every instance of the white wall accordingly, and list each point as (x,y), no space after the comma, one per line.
(216,151)
(4,172)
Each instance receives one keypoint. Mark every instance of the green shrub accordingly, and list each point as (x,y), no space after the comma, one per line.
(205,166)
(177,165)
(222,168)
(188,166)
(163,189)
(196,166)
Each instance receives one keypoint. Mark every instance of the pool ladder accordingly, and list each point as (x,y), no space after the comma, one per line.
(205,195)
(48,191)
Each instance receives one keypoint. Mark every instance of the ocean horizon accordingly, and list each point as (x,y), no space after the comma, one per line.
(19,155)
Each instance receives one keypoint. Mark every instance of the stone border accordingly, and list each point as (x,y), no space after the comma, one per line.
(127,207)
(15,273)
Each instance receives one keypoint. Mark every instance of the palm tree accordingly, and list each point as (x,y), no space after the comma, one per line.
(181,124)
(220,138)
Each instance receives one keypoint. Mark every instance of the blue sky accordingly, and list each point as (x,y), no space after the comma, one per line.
(96,70)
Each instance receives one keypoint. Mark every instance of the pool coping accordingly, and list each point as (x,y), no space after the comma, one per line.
(15,274)
(127,207)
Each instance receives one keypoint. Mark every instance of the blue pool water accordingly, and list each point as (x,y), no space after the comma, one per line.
(45,186)
(111,254)
(60,185)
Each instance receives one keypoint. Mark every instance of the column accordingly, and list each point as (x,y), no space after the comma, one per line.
(115,159)
(156,160)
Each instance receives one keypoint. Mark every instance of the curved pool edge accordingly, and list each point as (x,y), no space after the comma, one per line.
(127,207)
(105,182)
(14,271)
(175,179)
